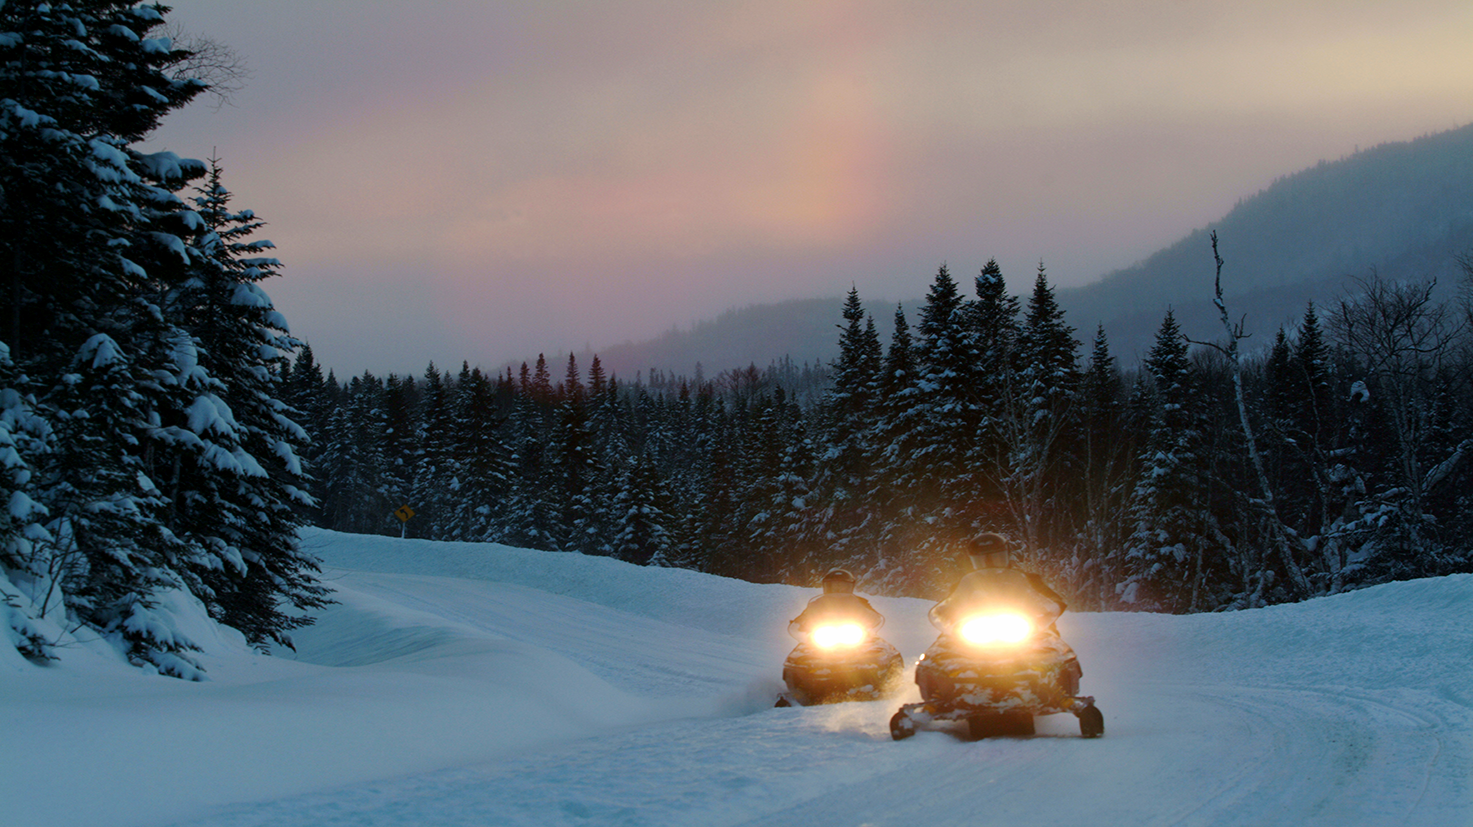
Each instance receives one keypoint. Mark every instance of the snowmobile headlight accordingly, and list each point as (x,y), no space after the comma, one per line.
(836,635)
(995,629)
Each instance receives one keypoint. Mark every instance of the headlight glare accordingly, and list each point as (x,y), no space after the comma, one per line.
(835,635)
(995,629)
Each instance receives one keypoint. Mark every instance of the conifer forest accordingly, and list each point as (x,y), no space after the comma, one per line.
(1207,478)
(163,436)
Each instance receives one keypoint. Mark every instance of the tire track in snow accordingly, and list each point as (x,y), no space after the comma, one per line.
(1318,755)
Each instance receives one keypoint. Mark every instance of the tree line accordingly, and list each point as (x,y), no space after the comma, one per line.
(1208,477)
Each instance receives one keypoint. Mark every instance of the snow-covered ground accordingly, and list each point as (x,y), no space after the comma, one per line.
(461,684)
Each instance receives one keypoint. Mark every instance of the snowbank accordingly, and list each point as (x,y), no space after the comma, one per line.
(459,683)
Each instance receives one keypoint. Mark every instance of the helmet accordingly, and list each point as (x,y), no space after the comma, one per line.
(990,551)
(838,581)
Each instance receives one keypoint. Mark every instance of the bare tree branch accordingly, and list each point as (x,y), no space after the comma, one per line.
(223,70)
(1288,545)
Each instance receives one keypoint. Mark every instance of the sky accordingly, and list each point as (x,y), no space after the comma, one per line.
(483,181)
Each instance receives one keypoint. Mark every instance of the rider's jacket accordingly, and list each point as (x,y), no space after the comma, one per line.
(999,587)
(831,608)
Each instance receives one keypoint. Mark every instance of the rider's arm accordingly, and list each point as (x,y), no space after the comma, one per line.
(798,625)
(1042,588)
(869,615)
(940,613)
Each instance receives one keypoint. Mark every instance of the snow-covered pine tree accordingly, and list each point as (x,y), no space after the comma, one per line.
(434,466)
(1290,440)
(895,507)
(400,406)
(641,526)
(1105,455)
(1038,426)
(116,564)
(485,460)
(798,546)
(304,390)
(609,444)
(992,318)
(239,487)
(83,216)
(1313,417)
(528,516)
(844,514)
(357,492)
(575,468)
(935,430)
(24,620)
(704,507)
(764,442)
(1168,515)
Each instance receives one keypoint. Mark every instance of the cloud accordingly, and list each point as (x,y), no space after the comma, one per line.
(737,152)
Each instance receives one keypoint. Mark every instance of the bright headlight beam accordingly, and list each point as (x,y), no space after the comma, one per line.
(834,635)
(995,629)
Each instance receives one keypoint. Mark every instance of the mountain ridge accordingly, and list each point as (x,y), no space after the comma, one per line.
(1403,210)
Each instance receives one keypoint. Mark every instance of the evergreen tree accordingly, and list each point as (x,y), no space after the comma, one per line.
(993,319)
(1164,556)
(484,459)
(609,446)
(1106,448)
(896,506)
(104,550)
(705,508)
(1037,424)
(936,429)
(33,622)
(641,525)
(575,466)
(797,543)
(1310,418)
(240,496)
(399,407)
(358,494)
(433,464)
(845,515)
(94,238)
(529,518)
(305,392)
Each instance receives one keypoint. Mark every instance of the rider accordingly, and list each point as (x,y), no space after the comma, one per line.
(994,579)
(838,602)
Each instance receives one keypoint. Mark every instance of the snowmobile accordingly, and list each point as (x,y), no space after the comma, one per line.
(995,666)
(839,659)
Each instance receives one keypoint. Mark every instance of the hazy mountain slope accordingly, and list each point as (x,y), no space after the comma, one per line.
(1404,210)
(803,328)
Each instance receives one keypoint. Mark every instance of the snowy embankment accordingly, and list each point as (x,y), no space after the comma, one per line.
(472,684)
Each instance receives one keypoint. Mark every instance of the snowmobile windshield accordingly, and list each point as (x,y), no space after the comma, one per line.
(987,596)
(835,610)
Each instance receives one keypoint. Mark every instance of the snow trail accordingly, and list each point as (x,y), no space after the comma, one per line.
(460,684)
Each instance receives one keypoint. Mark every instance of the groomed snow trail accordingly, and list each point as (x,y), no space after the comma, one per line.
(478,685)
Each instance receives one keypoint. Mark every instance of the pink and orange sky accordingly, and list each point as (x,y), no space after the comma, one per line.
(478,180)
